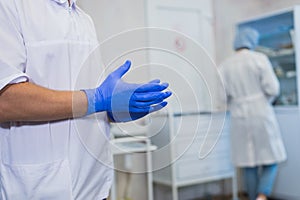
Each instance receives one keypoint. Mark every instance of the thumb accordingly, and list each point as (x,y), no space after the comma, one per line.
(122,69)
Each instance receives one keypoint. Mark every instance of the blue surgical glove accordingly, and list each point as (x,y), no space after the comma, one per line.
(126,101)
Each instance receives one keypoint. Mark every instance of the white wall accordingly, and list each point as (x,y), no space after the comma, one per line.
(229,12)
(112,17)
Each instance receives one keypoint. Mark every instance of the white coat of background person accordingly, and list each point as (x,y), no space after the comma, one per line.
(44,152)
(251,85)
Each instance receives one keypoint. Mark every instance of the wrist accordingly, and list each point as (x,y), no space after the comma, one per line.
(91,101)
(110,117)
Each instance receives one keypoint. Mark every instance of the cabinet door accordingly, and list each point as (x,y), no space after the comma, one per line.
(186,51)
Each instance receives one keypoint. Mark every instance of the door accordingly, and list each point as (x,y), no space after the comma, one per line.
(182,52)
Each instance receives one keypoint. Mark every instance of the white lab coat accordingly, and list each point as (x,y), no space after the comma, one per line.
(46,42)
(250,85)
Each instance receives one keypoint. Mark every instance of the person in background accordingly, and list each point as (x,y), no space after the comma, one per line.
(251,86)
(43,45)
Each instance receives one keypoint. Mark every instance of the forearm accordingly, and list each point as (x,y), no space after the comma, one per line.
(29,102)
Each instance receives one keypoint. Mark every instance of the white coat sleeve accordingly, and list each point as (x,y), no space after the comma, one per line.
(269,81)
(12,48)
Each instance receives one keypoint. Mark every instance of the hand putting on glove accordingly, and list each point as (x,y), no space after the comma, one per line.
(126,101)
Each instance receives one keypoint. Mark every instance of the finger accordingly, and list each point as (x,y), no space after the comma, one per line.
(146,104)
(140,110)
(152,96)
(158,107)
(149,109)
(122,69)
(152,87)
(154,81)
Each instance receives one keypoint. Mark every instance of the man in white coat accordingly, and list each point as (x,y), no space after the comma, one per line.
(251,85)
(49,147)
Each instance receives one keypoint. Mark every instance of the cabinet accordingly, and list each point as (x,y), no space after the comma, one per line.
(280,41)
(195,148)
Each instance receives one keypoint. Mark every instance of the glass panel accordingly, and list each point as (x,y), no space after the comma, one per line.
(285,69)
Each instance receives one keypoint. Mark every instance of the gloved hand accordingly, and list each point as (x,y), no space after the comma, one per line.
(126,101)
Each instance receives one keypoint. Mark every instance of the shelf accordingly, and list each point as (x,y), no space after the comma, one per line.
(283,53)
(287,78)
